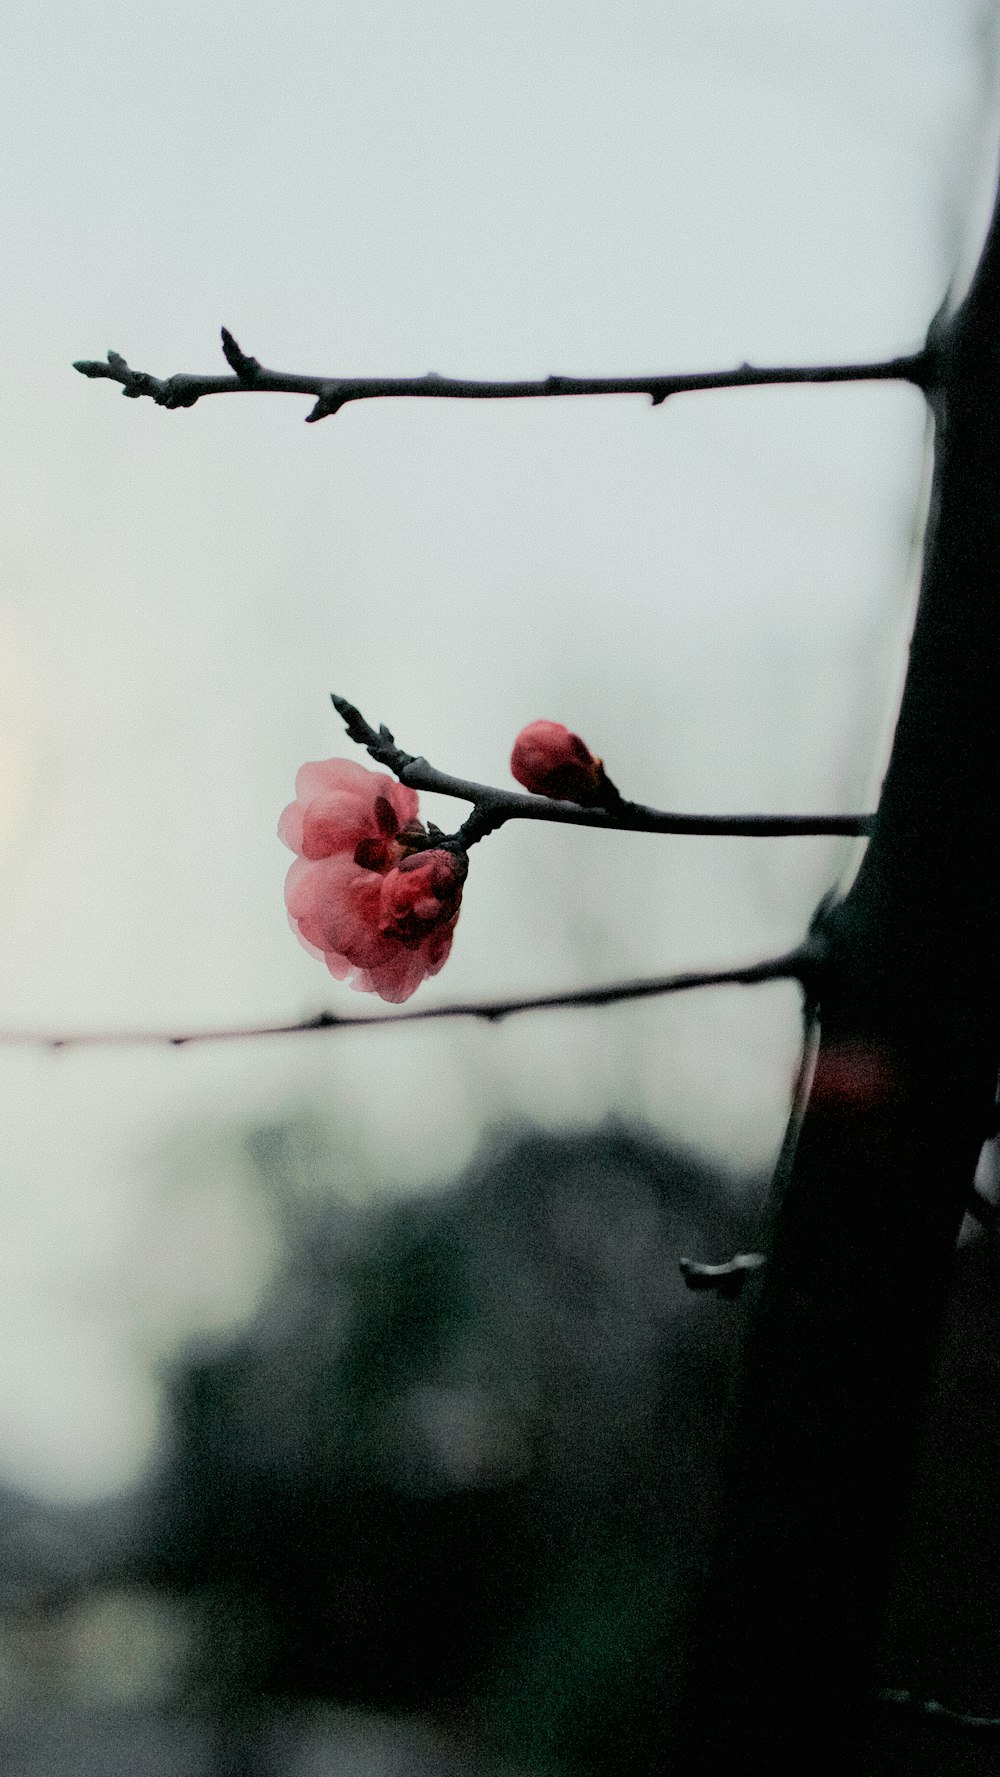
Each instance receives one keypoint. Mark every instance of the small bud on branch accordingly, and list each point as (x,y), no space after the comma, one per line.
(550,761)
(492,807)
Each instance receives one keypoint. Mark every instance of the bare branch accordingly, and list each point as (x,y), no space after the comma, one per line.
(333,392)
(492,806)
(794,966)
(727,1279)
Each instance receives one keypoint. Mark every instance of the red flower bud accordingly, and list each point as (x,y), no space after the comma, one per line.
(551,761)
(422,895)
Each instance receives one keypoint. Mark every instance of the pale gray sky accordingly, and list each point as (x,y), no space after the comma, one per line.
(713,592)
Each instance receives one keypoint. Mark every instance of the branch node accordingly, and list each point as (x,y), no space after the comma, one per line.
(178,391)
(608,794)
(134,382)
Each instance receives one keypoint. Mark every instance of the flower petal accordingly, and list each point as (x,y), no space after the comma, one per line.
(290,826)
(334,823)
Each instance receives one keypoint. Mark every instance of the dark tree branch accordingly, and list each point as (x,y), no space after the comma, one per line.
(797,965)
(333,392)
(493,807)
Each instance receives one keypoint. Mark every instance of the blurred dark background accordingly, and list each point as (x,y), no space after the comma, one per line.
(442,1504)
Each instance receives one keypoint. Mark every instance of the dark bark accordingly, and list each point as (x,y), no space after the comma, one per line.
(908,991)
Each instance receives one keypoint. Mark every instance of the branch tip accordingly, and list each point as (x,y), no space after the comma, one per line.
(358,729)
(326,405)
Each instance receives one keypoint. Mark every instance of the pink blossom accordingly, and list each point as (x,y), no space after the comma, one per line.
(551,761)
(362,895)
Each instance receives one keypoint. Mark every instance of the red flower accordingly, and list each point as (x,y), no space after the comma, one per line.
(551,761)
(380,914)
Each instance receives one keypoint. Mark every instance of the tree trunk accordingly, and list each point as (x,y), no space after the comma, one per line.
(907,984)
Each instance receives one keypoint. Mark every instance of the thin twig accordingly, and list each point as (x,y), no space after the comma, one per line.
(333,392)
(492,806)
(727,1279)
(961,1718)
(794,966)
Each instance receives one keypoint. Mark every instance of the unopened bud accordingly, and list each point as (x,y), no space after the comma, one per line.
(551,761)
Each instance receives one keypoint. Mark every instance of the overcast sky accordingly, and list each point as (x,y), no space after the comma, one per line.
(714,592)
